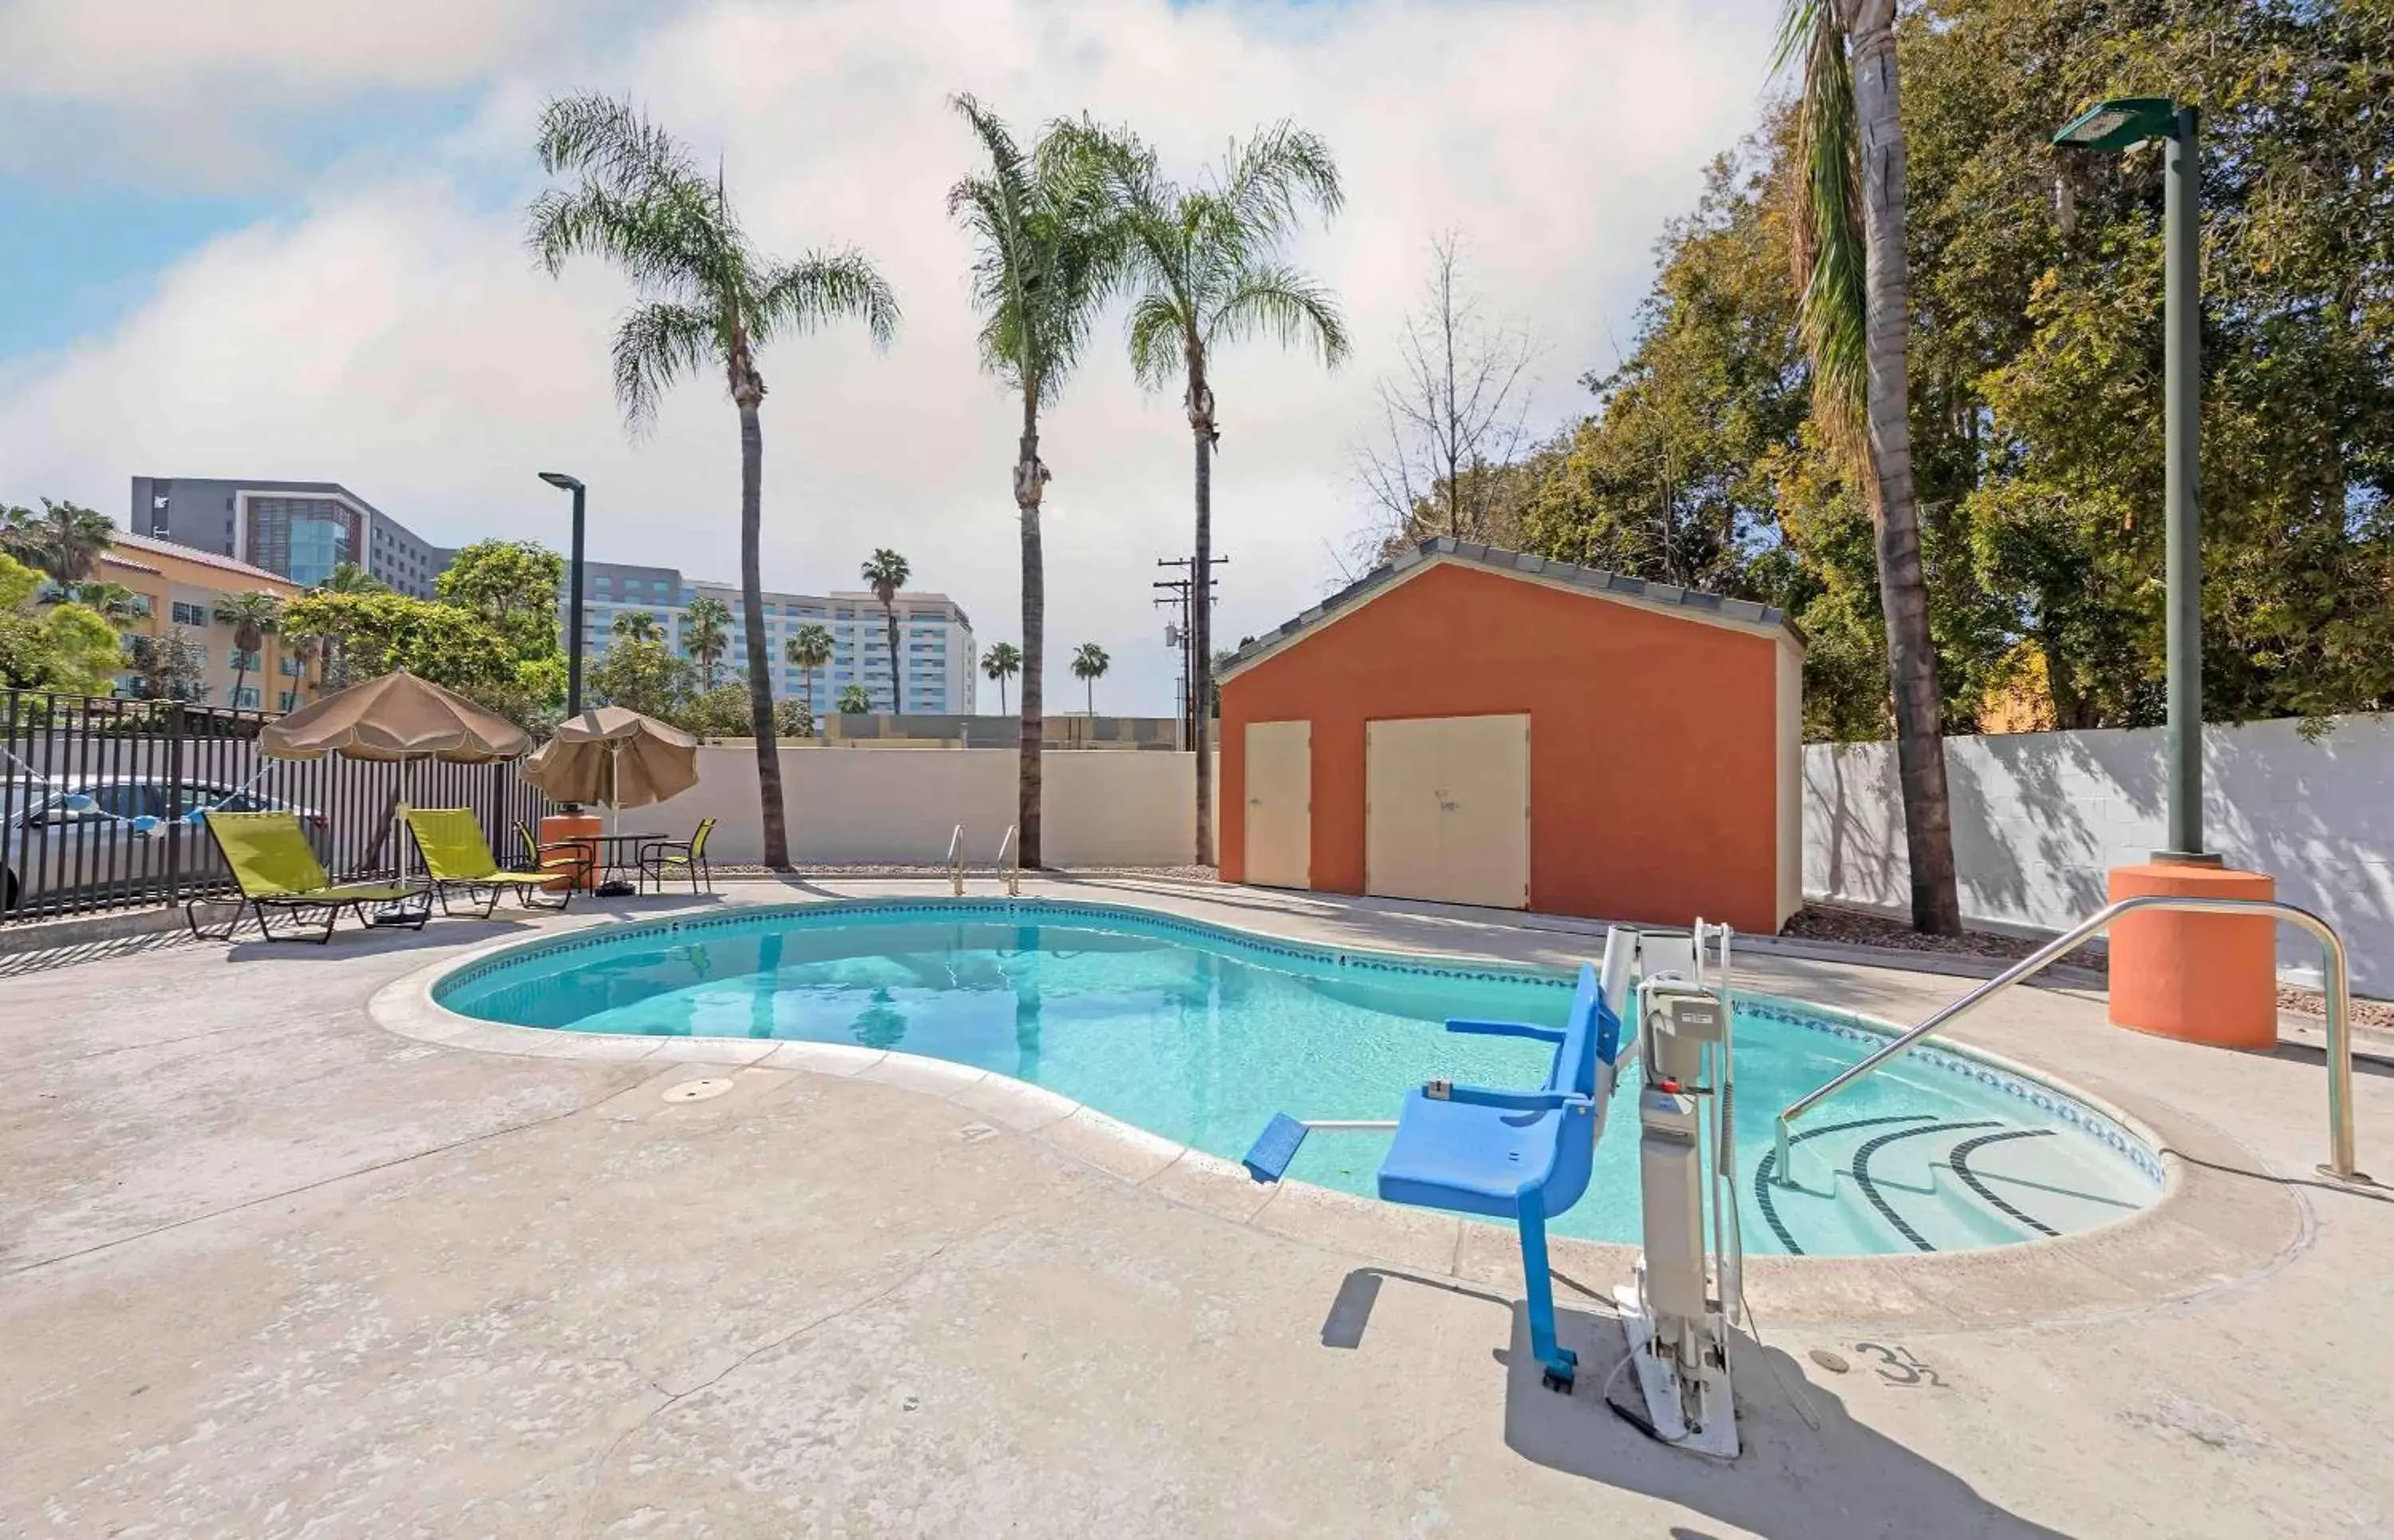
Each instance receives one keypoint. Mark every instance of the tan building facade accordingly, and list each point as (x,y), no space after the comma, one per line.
(179,588)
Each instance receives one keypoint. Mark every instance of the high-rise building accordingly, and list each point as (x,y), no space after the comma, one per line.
(934,633)
(297,529)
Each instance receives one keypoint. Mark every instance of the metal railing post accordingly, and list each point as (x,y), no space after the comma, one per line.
(957,861)
(2336,985)
(174,808)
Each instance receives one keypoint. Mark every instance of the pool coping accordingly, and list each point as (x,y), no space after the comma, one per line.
(2202,1233)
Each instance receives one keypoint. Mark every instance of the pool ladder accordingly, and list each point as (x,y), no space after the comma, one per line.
(1008,869)
(2336,979)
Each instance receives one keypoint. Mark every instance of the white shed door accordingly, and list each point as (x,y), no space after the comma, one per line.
(1447,809)
(1280,804)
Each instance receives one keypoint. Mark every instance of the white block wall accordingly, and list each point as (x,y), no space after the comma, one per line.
(1101,808)
(2039,818)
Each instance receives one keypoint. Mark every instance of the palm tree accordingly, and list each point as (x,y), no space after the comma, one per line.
(1002,662)
(810,650)
(854,702)
(1856,316)
(637,626)
(117,604)
(706,634)
(1203,266)
(1089,666)
(884,574)
(251,615)
(1044,248)
(64,540)
(351,578)
(707,297)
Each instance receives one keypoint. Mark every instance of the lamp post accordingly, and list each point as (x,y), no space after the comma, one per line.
(573,596)
(2111,126)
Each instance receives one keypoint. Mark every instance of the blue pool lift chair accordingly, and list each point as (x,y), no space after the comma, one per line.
(1523,1155)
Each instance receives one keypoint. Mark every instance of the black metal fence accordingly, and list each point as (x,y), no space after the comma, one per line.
(98,798)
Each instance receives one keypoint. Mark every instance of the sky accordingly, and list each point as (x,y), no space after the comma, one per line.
(284,239)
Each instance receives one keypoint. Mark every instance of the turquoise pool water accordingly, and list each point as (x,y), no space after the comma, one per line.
(1200,1034)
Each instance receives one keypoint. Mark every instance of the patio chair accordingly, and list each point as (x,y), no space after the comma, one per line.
(571,859)
(276,872)
(1523,1155)
(455,855)
(679,857)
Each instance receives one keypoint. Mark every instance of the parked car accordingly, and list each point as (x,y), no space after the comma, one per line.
(76,840)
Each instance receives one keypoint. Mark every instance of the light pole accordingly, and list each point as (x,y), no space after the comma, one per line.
(2112,126)
(573,596)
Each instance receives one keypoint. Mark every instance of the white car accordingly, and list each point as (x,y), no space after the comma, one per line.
(77,840)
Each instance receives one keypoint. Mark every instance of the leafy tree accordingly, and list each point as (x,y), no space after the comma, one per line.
(1001,663)
(1203,266)
(251,615)
(644,675)
(810,649)
(349,578)
(1856,320)
(708,298)
(884,574)
(67,646)
(854,702)
(377,634)
(719,713)
(706,635)
(794,719)
(1045,247)
(168,666)
(65,540)
(636,625)
(513,585)
(1089,666)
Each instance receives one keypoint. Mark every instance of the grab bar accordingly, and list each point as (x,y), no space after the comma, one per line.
(957,861)
(1011,871)
(2337,980)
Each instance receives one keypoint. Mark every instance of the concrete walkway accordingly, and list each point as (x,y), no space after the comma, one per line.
(268,1268)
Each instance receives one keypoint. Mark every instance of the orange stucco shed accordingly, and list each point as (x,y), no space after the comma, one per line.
(1482,726)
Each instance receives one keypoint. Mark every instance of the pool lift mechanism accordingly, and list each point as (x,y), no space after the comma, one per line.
(1526,1155)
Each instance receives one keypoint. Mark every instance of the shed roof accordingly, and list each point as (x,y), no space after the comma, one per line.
(1712,609)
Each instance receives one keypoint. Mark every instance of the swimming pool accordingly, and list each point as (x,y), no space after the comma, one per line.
(1200,1034)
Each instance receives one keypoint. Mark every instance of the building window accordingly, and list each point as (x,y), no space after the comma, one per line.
(245,698)
(287,701)
(292,667)
(191,614)
(246,661)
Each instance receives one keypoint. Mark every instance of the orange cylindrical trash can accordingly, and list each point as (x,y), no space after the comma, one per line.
(2203,977)
(565,828)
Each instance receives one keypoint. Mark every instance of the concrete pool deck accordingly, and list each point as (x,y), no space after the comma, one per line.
(267,1267)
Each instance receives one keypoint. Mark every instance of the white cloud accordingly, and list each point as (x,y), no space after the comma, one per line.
(394,336)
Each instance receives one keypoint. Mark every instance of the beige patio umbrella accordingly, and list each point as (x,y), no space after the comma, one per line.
(614,756)
(397,716)
(617,757)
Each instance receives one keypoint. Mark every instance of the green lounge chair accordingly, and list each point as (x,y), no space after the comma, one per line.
(679,857)
(455,855)
(272,865)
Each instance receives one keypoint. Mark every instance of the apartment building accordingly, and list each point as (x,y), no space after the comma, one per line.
(297,530)
(935,635)
(177,589)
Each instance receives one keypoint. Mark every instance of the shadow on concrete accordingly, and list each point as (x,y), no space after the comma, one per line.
(1819,1477)
(1808,1472)
(15,965)
(351,939)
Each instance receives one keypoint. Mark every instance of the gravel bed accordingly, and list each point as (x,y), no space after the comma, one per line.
(1852,928)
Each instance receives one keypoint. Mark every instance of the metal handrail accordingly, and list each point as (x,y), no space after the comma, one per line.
(957,861)
(1011,871)
(2340,1163)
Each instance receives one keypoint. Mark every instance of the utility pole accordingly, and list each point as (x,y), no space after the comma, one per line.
(1178,592)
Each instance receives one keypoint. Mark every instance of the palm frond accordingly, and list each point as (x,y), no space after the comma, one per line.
(1830,253)
(610,142)
(823,286)
(1265,180)
(1283,303)
(657,344)
(1159,332)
